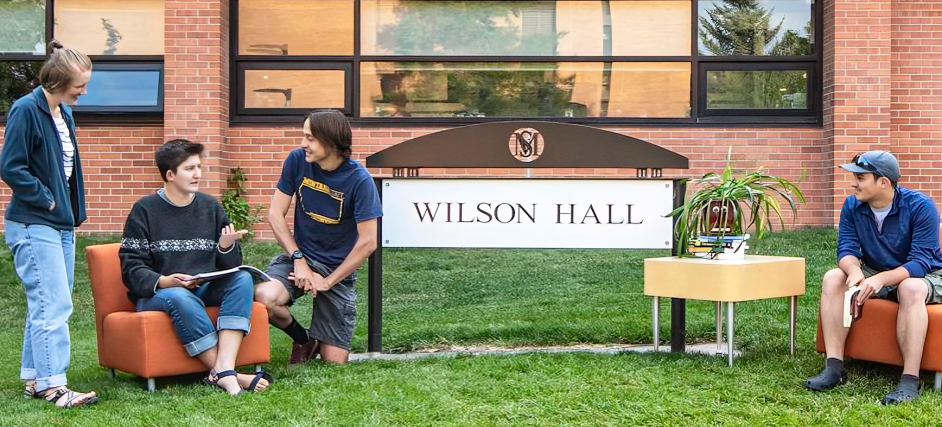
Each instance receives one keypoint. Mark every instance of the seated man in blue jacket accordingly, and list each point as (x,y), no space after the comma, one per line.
(888,243)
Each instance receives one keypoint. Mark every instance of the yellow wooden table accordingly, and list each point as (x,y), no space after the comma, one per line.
(754,277)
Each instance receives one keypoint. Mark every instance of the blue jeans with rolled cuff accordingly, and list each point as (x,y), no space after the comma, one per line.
(233,294)
(44,259)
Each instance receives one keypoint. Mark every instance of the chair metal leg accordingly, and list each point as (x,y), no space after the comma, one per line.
(258,368)
(729,331)
(151,385)
(719,326)
(111,374)
(938,381)
(792,309)
(655,316)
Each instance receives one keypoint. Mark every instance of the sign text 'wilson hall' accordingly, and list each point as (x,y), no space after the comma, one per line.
(505,213)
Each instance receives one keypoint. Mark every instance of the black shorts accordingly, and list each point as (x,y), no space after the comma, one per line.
(335,312)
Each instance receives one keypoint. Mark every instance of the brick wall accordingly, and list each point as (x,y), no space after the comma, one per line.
(196,89)
(916,92)
(857,84)
(881,87)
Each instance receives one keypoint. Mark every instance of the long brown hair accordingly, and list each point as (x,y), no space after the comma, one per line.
(62,67)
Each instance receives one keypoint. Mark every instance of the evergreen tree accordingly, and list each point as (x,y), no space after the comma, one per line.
(738,27)
(17,79)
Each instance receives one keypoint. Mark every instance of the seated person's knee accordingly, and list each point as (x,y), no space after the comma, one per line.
(913,290)
(265,294)
(834,281)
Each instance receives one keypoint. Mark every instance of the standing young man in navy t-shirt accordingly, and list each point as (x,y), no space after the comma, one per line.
(336,207)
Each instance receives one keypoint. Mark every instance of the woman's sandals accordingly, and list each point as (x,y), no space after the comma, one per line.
(213,379)
(65,398)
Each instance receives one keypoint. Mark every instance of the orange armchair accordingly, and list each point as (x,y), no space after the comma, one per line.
(145,343)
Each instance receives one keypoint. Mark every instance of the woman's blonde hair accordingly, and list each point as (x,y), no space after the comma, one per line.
(62,67)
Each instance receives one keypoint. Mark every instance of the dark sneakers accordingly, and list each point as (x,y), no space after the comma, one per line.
(826,380)
(903,393)
(301,353)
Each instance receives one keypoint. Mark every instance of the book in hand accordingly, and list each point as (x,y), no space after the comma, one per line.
(214,274)
(852,311)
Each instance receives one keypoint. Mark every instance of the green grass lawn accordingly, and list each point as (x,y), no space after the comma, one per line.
(439,298)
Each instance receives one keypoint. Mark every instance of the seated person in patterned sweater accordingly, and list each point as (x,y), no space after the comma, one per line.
(180,232)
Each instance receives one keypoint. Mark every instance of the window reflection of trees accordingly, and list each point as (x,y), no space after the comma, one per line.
(17,79)
(502,28)
(22,26)
(746,28)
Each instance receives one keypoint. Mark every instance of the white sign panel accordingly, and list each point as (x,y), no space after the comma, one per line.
(527,213)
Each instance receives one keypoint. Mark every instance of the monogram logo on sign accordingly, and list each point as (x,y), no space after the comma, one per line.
(526,144)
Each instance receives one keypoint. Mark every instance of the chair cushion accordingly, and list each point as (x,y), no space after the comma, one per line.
(147,345)
(873,336)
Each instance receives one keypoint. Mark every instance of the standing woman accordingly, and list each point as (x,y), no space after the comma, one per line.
(40,163)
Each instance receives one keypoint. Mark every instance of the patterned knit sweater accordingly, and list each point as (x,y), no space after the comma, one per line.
(161,239)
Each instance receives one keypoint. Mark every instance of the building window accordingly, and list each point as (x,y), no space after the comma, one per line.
(618,61)
(123,38)
(23,26)
(124,88)
(293,88)
(111,27)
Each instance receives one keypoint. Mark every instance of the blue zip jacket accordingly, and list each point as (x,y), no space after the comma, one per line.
(31,164)
(910,236)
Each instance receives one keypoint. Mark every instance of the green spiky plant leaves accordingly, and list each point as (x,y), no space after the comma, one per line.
(753,197)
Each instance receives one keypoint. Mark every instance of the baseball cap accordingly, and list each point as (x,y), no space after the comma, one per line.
(878,161)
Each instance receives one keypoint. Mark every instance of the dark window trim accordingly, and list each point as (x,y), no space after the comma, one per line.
(700,116)
(243,66)
(810,92)
(110,59)
(21,57)
(425,122)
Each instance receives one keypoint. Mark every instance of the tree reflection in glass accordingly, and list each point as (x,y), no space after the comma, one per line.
(17,79)
(753,27)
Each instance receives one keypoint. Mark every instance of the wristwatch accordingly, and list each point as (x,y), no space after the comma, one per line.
(297,255)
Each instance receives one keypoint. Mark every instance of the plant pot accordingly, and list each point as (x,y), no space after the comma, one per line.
(715,215)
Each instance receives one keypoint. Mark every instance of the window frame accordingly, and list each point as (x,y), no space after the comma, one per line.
(798,115)
(96,117)
(262,113)
(699,114)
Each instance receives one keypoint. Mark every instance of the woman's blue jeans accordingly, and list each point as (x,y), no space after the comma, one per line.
(233,294)
(44,259)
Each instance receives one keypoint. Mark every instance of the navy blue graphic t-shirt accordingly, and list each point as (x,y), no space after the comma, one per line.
(328,205)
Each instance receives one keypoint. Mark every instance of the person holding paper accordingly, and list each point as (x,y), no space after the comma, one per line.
(335,217)
(888,245)
(179,232)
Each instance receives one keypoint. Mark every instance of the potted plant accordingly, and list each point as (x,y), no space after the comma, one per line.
(720,206)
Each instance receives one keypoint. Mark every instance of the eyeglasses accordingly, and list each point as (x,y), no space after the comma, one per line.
(862,162)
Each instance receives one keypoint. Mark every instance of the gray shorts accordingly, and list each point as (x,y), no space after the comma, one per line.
(933,281)
(335,312)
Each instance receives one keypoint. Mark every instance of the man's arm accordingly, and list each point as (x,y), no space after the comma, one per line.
(366,244)
(925,239)
(277,213)
(280,203)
